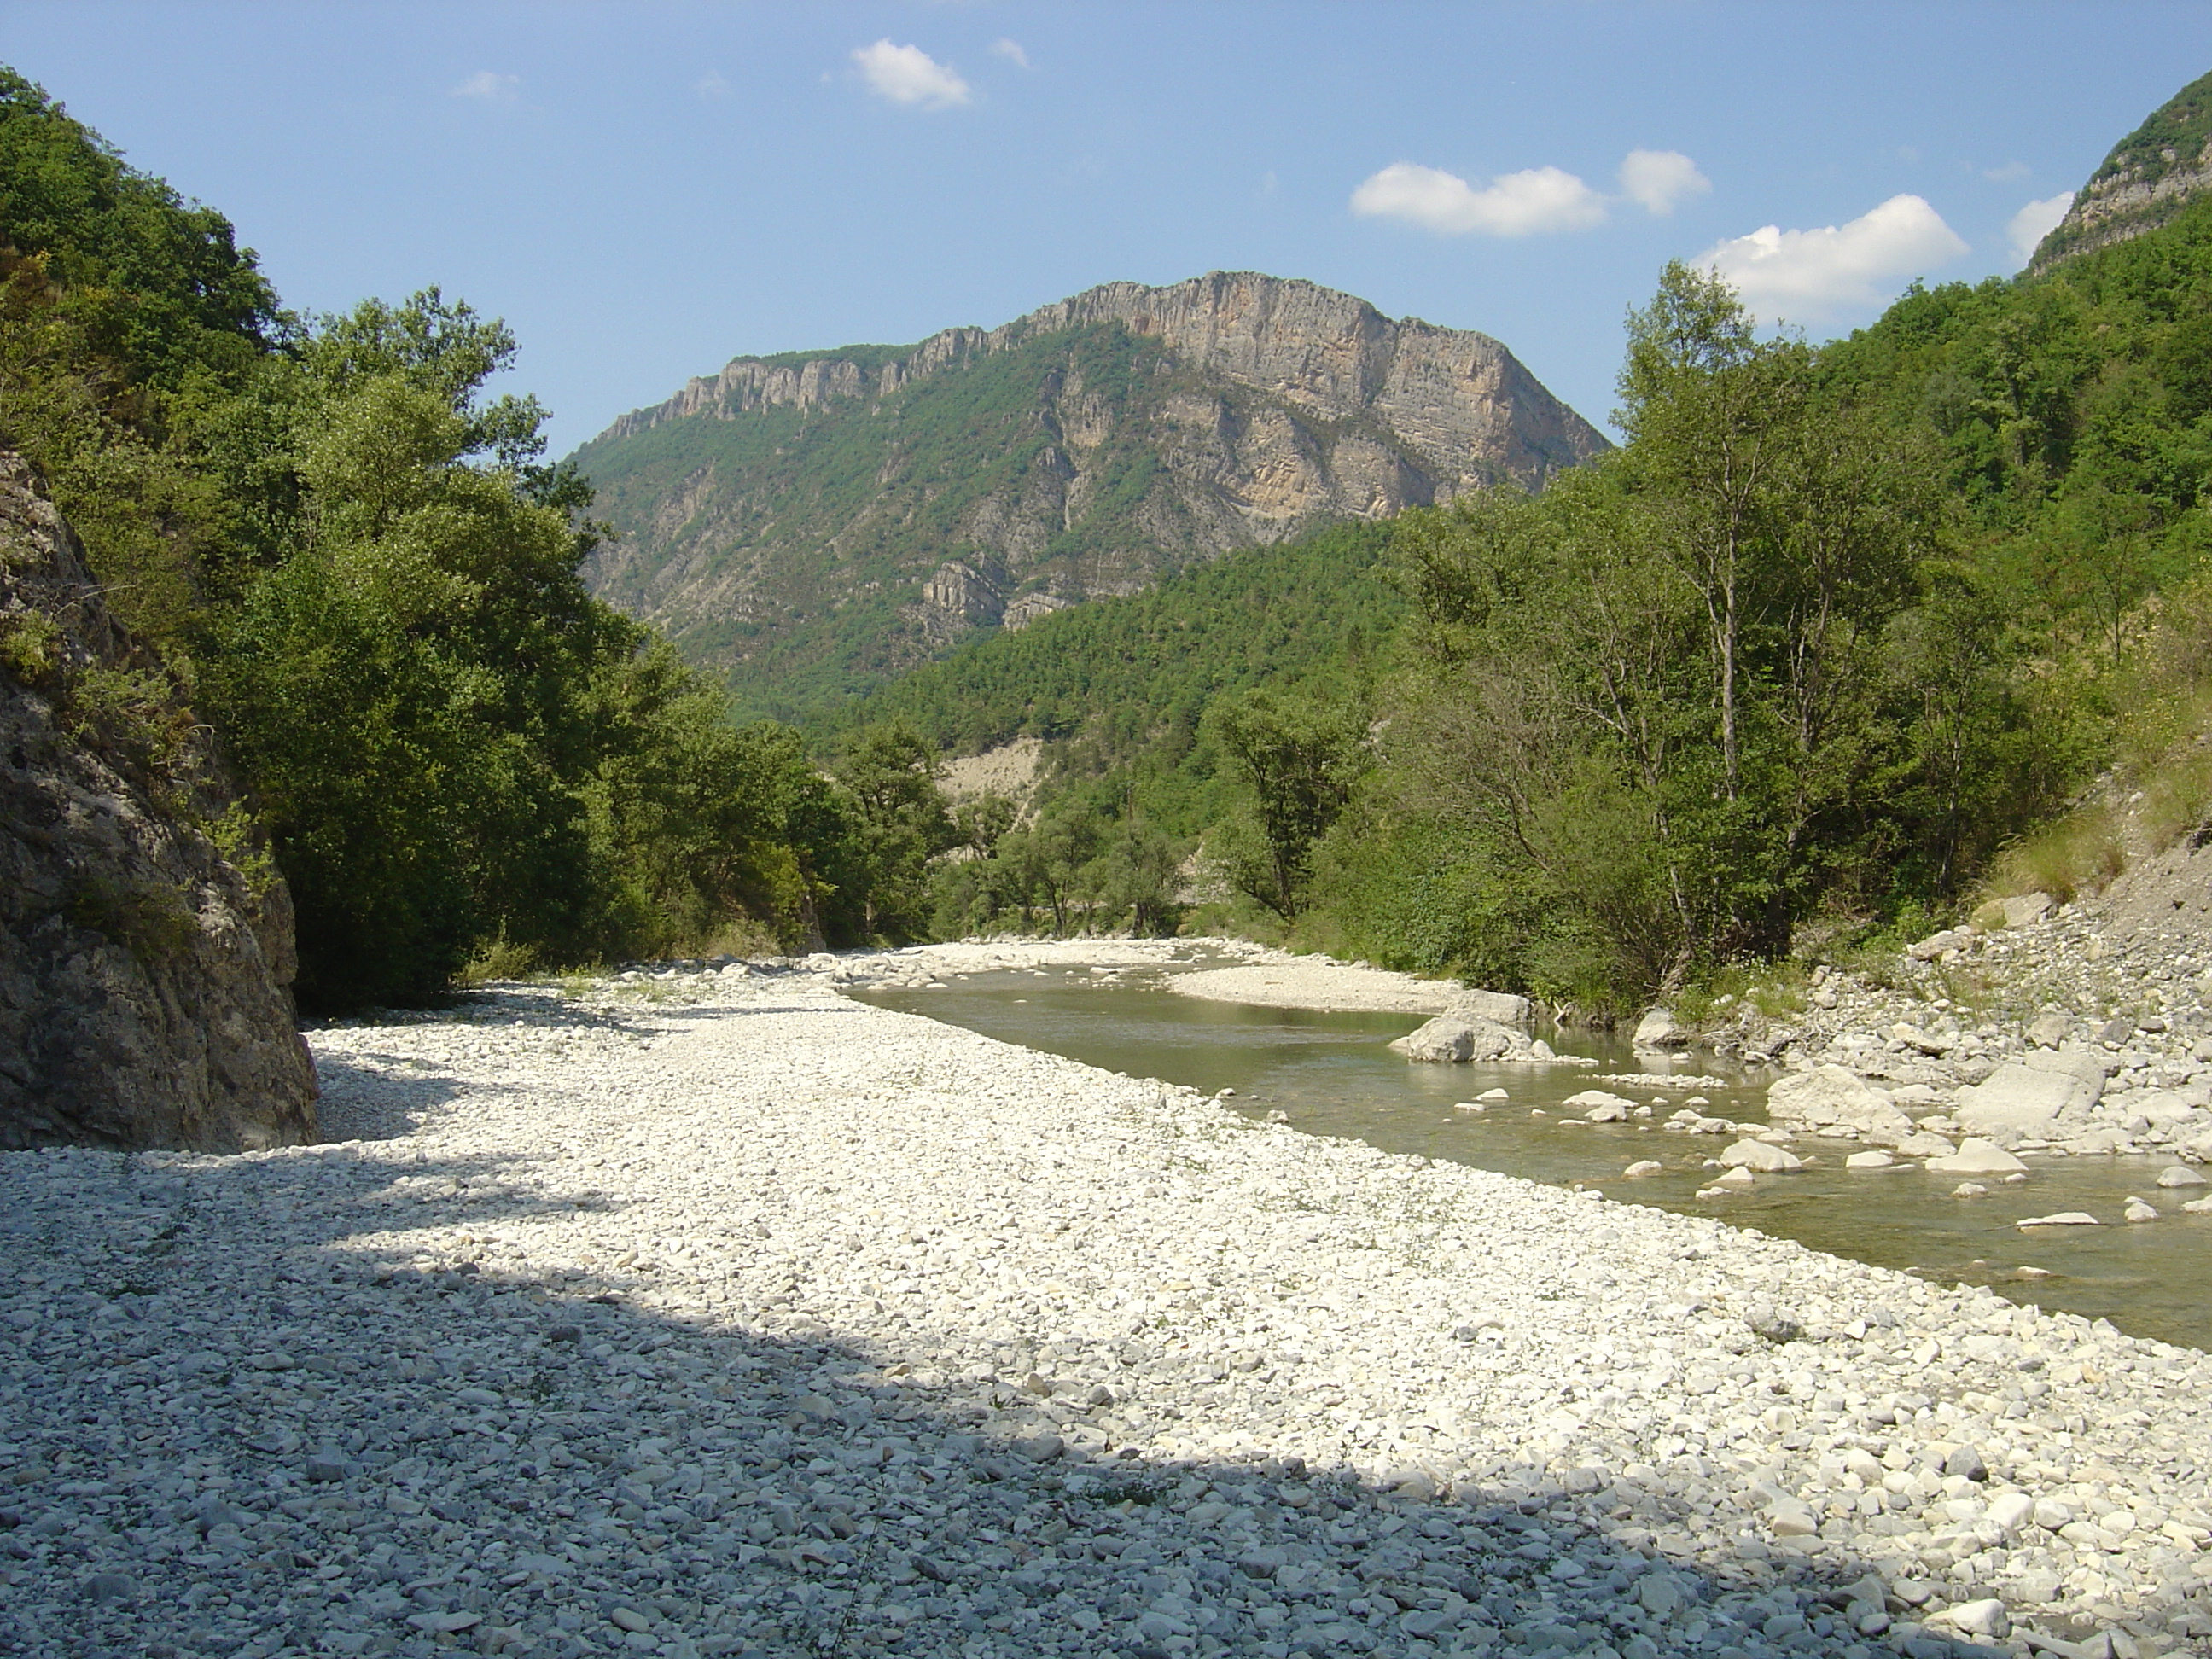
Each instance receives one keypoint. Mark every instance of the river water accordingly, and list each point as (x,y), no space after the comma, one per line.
(1330,1073)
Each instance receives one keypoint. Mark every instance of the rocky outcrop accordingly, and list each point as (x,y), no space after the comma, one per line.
(864,510)
(143,967)
(2150,176)
(1458,399)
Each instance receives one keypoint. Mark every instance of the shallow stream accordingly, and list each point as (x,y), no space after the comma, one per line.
(1330,1073)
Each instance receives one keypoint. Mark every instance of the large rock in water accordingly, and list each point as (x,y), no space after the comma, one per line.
(1451,1037)
(1495,1007)
(1659,1028)
(2025,1098)
(143,974)
(1831,1098)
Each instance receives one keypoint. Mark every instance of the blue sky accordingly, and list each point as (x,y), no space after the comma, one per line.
(645,191)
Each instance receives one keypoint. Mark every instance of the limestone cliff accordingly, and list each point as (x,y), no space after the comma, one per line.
(809,523)
(2151,174)
(143,968)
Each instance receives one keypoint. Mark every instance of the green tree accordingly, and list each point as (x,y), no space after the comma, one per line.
(891,774)
(1298,759)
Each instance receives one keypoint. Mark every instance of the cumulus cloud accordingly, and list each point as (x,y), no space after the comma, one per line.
(711,85)
(2035,222)
(1527,204)
(1011,51)
(1661,180)
(1523,204)
(908,75)
(490,86)
(1807,275)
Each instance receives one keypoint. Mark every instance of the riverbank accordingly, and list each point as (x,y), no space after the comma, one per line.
(1256,975)
(718,1312)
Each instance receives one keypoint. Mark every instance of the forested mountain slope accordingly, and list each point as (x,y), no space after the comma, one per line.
(814,523)
(1153,662)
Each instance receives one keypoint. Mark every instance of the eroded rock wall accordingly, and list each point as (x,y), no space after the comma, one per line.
(984,477)
(144,973)
(1460,398)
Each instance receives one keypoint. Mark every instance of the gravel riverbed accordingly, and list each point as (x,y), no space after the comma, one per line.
(716,1313)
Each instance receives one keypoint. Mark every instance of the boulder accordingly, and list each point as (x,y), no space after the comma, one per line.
(2062,1219)
(2025,909)
(2161,1108)
(1925,1143)
(1761,1156)
(1599,1106)
(2180,1174)
(2049,1031)
(1935,945)
(1497,1008)
(1985,1617)
(2089,1070)
(1976,1156)
(1449,1038)
(144,968)
(2026,1098)
(2009,1511)
(1875,1160)
(1658,1029)
(1831,1098)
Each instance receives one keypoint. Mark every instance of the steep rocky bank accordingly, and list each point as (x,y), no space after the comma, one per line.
(2109,993)
(143,967)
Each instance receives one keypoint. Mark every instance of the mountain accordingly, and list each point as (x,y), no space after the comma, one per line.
(2151,174)
(815,523)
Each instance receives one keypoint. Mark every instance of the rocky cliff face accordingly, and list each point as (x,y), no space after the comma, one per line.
(2151,174)
(808,524)
(143,969)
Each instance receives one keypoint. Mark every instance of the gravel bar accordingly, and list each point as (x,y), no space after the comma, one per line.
(715,1313)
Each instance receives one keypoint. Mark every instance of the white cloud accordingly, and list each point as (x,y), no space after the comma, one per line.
(1806,274)
(2035,222)
(1513,204)
(490,86)
(711,85)
(908,75)
(1661,180)
(2007,172)
(1011,51)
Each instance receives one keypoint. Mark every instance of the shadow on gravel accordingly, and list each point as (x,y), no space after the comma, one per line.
(288,1432)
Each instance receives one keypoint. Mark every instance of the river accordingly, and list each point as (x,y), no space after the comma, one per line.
(1332,1074)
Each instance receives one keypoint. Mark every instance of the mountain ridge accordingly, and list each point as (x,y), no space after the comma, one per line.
(804,379)
(812,522)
